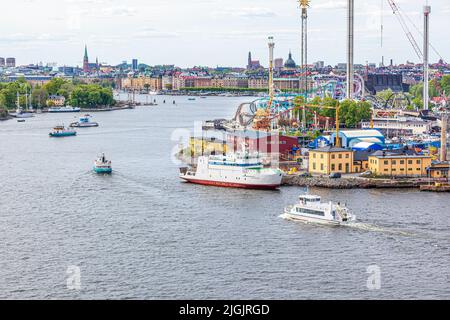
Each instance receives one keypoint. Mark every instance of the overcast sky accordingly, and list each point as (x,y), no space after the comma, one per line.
(208,32)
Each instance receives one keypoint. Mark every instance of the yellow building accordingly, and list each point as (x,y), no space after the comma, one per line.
(199,146)
(392,164)
(439,170)
(330,159)
(142,83)
(56,101)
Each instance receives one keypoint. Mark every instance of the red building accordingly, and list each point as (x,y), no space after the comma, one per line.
(263,142)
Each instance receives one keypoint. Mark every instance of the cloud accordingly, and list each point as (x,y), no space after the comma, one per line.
(336,4)
(248,13)
(118,11)
(154,33)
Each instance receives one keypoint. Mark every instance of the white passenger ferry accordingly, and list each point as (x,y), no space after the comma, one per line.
(237,170)
(311,209)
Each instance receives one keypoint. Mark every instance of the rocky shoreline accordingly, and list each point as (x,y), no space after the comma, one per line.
(351,183)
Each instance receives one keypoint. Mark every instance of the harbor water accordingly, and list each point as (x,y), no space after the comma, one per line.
(141,233)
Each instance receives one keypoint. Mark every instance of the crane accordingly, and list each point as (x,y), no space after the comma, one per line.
(405,28)
(398,12)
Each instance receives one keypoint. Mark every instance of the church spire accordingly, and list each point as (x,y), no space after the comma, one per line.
(85,60)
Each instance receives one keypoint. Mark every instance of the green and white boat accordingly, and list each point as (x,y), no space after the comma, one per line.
(102,165)
(61,131)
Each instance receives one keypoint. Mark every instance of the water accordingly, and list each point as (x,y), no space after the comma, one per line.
(141,233)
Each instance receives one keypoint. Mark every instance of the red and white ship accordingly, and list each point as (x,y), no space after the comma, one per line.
(237,170)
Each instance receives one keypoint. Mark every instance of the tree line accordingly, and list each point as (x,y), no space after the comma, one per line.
(75,92)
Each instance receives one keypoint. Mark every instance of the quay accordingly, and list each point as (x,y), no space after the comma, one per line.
(354,182)
(437,187)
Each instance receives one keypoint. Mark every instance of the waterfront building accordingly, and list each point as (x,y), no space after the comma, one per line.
(274,146)
(134,64)
(2,62)
(385,163)
(142,83)
(166,82)
(330,159)
(203,82)
(439,170)
(258,83)
(349,138)
(411,126)
(31,79)
(10,62)
(56,101)
(360,161)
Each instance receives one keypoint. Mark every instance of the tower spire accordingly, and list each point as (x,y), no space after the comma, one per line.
(85,60)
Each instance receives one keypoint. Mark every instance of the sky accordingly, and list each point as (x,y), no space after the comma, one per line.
(210,32)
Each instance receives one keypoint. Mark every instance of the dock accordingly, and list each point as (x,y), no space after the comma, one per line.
(438,187)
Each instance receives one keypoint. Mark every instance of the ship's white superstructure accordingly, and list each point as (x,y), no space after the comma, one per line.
(238,170)
(311,209)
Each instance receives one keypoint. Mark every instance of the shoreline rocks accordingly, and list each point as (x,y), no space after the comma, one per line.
(350,183)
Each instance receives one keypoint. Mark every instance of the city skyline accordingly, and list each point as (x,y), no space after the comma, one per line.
(153,34)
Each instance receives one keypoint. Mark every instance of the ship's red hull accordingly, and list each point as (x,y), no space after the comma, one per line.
(232,184)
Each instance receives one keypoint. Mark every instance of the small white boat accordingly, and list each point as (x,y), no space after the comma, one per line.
(63,109)
(84,122)
(311,209)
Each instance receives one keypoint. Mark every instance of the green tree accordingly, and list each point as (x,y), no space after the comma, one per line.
(39,97)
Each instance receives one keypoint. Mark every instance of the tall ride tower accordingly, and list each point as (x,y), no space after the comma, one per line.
(426,46)
(350,45)
(304,5)
(271,84)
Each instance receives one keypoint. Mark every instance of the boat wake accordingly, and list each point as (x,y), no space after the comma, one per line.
(374,228)
(363,227)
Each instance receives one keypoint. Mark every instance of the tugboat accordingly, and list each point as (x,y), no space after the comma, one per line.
(101,165)
(61,131)
(84,122)
(311,209)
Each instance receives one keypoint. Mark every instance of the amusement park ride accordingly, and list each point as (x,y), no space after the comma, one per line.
(266,113)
